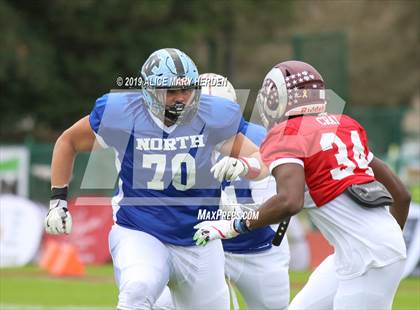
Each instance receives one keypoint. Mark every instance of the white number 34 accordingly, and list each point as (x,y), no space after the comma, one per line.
(359,156)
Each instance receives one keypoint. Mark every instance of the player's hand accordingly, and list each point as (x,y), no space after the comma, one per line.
(212,230)
(229,168)
(58,220)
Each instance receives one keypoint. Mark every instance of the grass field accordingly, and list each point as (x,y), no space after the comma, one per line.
(31,288)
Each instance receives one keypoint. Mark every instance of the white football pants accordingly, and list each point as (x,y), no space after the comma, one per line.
(375,289)
(262,278)
(143,265)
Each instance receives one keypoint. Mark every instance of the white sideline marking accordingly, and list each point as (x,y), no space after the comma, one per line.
(39,307)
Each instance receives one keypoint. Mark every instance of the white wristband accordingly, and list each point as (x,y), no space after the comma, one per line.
(253,165)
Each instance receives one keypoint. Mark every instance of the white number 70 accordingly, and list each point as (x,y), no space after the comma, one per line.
(178,173)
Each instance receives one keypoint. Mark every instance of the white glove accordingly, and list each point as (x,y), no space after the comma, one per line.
(212,230)
(229,168)
(58,220)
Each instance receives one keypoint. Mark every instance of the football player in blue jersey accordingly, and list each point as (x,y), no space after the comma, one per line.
(163,137)
(258,269)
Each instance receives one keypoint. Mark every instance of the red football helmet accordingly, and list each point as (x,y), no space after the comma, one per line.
(290,88)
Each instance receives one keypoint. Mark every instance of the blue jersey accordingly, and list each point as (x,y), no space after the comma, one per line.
(259,239)
(164,172)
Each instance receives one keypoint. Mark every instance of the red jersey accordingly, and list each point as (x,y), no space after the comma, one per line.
(333,150)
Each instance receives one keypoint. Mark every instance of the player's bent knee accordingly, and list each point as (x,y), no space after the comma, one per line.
(135,294)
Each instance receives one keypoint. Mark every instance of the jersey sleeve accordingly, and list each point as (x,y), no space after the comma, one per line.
(283,145)
(110,120)
(255,133)
(97,112)
(225,120)
(95,118)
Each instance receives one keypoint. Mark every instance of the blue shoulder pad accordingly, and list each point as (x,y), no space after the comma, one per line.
(217,111)
(222,117)
(113,115)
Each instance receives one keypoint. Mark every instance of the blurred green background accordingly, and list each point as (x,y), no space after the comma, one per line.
(58,56)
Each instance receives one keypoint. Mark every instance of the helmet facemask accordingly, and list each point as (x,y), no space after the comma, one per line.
(291,88)
(167,70)
(272,99)
(177,112)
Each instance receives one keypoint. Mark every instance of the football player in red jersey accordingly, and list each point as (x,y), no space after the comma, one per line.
(361,205)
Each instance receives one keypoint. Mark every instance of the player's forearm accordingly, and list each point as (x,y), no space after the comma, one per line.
(62,161)
(396,188)
(275,210)
(400,212)
(78,138)
(401,205)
